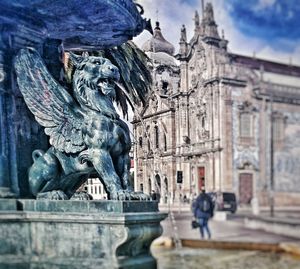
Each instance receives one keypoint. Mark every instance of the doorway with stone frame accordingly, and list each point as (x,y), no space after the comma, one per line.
(201,177)
(245,188)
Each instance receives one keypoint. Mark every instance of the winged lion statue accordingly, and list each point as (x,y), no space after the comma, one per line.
(87,136)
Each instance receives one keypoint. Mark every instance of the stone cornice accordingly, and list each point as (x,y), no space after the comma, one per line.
(278,93)
(199,152)
(269,66)
(154,114)
(225,80)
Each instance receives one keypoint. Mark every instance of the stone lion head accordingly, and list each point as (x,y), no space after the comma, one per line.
(94,73)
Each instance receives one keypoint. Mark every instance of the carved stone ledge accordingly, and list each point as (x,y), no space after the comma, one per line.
(6,193)
(104,234)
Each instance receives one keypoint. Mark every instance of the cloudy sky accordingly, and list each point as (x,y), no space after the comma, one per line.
(270,28)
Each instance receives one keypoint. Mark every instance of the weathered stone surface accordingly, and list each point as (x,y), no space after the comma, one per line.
(116,235)
(99,24)
(8,204)
(87,206)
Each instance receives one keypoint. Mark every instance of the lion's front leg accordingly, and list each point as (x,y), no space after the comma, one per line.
(104,166)
(123,170)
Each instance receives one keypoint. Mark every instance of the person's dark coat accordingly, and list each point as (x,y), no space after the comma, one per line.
(198,213)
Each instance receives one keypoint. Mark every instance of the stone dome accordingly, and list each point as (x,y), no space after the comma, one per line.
(162,58)
(157,43)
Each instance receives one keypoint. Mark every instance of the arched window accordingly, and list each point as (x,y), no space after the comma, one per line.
(203,122)
(165,142)
(165,85)
(140,141)
(149,146)
(158,183)
(166,185)
(156,131)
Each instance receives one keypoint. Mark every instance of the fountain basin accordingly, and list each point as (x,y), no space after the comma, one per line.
(99,234)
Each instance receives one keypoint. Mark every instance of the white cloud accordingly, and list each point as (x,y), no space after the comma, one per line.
(262,4)
(290,14)
(268,52)
(242,44)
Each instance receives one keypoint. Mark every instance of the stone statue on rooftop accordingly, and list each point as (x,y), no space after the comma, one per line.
(183,33)
(88,137)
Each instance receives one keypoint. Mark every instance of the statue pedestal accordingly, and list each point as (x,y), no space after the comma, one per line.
(79,234)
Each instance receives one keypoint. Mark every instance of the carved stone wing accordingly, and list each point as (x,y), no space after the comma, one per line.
(53,107)
(136,78)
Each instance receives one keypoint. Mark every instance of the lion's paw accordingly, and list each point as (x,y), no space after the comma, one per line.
(52,195)
(139,196)
(123,195)
(82,195)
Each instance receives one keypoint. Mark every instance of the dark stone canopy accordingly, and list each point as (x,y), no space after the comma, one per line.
(81,24)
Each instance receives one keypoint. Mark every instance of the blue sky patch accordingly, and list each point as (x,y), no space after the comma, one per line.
(189,2)
(271,20)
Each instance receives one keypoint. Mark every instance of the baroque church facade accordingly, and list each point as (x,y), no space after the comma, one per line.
(218,120)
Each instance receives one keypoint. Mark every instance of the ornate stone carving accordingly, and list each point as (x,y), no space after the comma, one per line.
(183,34)
(87,136)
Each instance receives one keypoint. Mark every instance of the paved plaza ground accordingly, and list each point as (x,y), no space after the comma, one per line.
(231,229)
(232,244)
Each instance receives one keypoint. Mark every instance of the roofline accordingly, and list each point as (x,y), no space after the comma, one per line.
(269,66)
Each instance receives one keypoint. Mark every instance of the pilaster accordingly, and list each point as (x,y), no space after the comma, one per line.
(5,134)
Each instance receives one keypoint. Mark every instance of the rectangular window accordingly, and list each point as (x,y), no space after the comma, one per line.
(245,125)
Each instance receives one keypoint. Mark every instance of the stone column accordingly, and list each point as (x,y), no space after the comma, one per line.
(5,183)
(16,140)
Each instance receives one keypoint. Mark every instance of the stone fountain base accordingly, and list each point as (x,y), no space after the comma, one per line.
(78,234)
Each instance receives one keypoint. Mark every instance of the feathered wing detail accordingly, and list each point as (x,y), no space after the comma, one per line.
(53,107)
(136,78)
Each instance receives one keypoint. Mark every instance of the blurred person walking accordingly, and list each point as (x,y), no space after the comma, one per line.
(203,209)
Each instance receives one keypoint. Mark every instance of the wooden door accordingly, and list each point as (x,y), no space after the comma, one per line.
(201,178)
(246,188)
